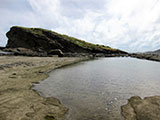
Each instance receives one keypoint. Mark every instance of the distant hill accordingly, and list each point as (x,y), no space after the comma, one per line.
(157,51)
(42,40)
(154,52)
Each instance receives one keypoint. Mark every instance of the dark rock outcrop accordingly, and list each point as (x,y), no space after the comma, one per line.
(5,53)
(1,48)
(37,40)
(56,52)
(24,52)
(146,56)
(2,52)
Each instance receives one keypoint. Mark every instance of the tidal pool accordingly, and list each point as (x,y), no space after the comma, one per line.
(96,89)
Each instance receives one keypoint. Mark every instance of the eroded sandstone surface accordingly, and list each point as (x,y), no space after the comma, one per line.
(142,109)
(17,99)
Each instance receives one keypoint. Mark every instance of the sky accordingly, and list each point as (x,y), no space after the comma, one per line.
(130,25)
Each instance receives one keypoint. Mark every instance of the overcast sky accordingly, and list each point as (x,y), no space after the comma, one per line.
(131,25)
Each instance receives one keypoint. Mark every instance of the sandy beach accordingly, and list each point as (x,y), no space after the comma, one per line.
(17,99)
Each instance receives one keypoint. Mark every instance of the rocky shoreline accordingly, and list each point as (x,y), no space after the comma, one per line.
(17,99)
(138,108)
(31,52)
(146,56)
(142,109)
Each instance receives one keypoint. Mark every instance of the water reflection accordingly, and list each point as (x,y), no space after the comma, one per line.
(95,90)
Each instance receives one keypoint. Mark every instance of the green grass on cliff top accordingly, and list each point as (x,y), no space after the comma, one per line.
(81,43)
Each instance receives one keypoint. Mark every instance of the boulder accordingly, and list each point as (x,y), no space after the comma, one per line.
(142,109)
(56,52)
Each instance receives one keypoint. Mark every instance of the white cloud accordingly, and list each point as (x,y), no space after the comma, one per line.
(132,25)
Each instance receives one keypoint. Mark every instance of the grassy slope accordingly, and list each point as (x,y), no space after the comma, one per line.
(81,43)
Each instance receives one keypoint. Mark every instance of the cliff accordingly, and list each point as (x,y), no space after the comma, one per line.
(38,40)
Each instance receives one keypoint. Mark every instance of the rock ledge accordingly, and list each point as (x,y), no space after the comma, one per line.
(142,109)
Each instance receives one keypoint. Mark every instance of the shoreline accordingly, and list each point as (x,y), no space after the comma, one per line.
(138,108)
(146,56)
(19,101)
(17,98)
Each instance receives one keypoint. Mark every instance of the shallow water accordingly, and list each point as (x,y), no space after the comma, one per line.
(95,90)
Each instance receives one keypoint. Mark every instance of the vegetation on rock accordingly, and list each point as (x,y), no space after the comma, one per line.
(42,40)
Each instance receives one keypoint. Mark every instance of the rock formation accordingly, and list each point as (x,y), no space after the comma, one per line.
(1,48)
(37,40)
(142,109)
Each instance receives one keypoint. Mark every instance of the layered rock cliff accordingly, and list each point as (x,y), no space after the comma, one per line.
(45,41)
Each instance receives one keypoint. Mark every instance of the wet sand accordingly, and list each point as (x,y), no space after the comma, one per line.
(17,99)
